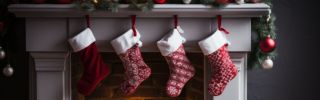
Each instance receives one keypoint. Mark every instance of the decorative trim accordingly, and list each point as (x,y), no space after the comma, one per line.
(124,42)
(170,42)
(82,40)
(213,42)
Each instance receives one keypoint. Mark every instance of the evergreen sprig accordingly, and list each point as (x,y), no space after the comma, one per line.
(112,5)
(263,28)
(146,6)
(213,3)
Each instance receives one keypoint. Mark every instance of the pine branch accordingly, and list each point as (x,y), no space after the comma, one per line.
(262,27)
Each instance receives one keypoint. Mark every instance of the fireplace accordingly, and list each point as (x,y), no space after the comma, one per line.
(151,89)
(54,71)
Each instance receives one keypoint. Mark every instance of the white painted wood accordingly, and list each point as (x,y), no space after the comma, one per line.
(53,77)
(166,10)
(46,34)
(49,86)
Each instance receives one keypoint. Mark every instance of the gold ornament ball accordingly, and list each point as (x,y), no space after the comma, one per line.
(8,71)
(267,64)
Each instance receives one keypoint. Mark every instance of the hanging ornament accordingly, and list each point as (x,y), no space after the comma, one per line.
(187,1)
(2,53)
(267,64)
(160,1)
(1,26)
(8,71)
(267,45)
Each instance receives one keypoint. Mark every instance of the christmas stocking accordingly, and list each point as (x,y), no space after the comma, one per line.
(136,70)
(223,70)
(180,67)
(95,69)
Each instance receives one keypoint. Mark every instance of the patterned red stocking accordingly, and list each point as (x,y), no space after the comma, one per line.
(127,46)
(181,71)
(223,70)
(136,70)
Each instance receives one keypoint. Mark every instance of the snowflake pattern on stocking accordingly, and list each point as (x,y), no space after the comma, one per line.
(223,70)
(181,71)
(136,70)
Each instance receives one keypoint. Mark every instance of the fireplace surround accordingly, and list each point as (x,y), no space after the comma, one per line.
(53,74)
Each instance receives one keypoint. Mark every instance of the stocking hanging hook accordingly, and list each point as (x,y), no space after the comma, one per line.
(88,21)
(133,26)
(175,21)
(220,28)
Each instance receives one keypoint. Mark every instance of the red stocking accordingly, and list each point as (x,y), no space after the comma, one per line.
(223,70)
(181,70)
(95,69)
(136,70)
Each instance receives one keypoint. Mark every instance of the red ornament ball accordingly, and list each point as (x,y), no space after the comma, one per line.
(160,1)
(267,45)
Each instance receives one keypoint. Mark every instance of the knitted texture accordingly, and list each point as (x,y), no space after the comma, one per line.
(181,71)
(136,70)
(223,70)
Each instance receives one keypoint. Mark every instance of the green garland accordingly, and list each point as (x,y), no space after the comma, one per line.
(113,5)
(262,26)
(214,3)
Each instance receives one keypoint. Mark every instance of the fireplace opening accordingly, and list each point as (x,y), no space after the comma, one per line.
(152,88)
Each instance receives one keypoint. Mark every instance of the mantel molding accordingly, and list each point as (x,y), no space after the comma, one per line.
(162,10)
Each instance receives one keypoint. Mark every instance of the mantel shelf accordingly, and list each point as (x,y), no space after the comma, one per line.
(162,10)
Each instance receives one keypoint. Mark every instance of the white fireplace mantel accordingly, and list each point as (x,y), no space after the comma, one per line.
(48,26)
(162,10)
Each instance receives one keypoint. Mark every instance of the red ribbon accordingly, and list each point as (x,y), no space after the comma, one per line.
(175,21)
(88,21)
(133,26)
(219,25)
